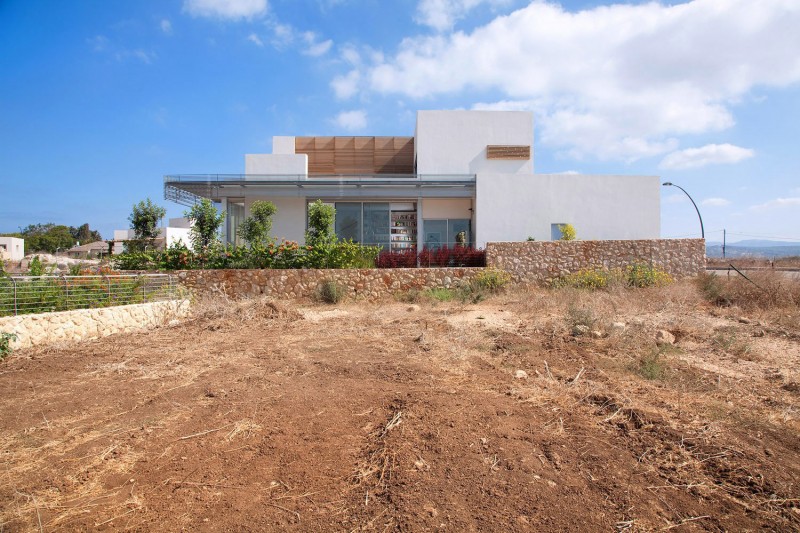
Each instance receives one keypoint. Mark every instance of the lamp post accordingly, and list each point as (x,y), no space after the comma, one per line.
(702,230)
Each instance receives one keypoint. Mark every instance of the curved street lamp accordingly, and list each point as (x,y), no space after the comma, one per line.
(702,230)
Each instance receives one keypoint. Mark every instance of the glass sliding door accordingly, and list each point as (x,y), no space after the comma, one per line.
(234,217)
(376,224)
(348,220)
(435,233)
(439,233)
(456,226)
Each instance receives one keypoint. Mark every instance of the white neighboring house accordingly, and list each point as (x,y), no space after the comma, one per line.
(176,232)
(12,248)
(463,172)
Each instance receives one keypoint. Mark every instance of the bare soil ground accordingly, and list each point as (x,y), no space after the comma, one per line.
(410,417)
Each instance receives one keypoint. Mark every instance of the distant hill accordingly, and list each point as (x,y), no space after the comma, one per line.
(754,248)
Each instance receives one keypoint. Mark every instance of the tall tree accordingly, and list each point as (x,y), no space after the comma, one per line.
(84,235)
(144,222)
(47,237)
(206,221)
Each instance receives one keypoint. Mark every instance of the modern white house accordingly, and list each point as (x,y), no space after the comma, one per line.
(462,171)
(176,232)
(12,249)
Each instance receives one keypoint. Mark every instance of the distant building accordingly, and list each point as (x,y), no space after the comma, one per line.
(12,249)
(176,232)
(93,250)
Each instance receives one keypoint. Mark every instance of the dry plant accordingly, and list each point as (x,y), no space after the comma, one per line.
(765,290)
(220,308)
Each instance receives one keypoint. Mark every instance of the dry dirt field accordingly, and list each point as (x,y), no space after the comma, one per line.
(272,416)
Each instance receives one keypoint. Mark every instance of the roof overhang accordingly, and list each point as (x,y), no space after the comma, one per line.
(188,189)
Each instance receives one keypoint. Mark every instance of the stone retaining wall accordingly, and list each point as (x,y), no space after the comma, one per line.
(81,324)
(369,284)
(537,261)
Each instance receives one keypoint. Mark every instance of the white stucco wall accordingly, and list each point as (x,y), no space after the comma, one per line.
(454,142)
(289,222)
(276,164)
(12,249)
(514,207)
(282,144)
(176,236)
(176,232)
(180,222)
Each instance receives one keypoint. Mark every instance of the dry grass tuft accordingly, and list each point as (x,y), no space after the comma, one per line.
(221,308)
(759,291)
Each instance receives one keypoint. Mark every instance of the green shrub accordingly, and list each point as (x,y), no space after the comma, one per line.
(644,275)
(36,268)
(586,278)
(636,275)
(491,279)
(5,344)
(329,291)
(440,294)
(255,228)
(651,366)
(320,224)
(568,232)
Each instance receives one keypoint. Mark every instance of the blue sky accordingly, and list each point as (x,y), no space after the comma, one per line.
(99,99)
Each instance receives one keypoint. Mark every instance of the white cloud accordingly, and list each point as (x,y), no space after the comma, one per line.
(442,15)
(314,47)
(715,202)
(711,154)
(347,85)
(613,82)
(352,120)
(102,45)
(166,26)
(318,49)
(286,35)
(777,203)
(145,57)
(226,9)
(255,39)
(98,43)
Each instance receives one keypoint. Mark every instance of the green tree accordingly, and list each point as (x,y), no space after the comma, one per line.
(84,235)
(144,219)
(255,228)
(320,224)
(568,232)
(47,238)
(206,221)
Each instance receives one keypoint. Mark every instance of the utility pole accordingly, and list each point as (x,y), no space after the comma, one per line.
(723,242)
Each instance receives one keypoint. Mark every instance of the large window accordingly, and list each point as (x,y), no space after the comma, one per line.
(376,223)
(444,232)
(364,222)
(348,221)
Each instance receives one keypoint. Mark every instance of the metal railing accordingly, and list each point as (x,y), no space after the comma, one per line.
(43,294)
